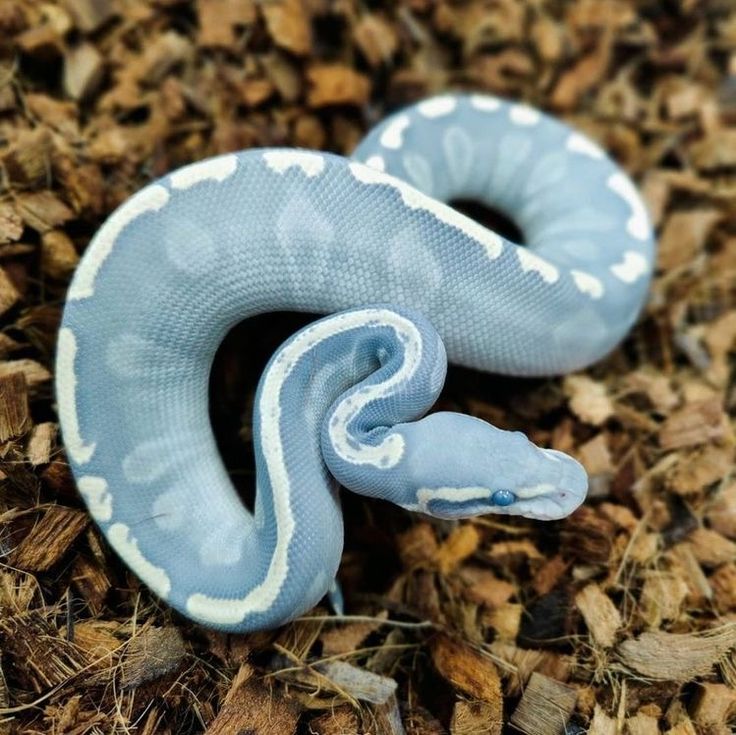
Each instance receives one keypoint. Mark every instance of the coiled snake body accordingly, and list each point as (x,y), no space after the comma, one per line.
(187,257)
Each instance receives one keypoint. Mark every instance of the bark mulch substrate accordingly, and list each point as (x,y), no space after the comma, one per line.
(620,618)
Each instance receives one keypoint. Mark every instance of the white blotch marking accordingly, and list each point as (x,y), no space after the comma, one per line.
(224,547)
(376,162)
(280,161)
(587,284)
(524,115)
(419,171)
(215,169)
(484,102)
(169,511)
(426,495)
(148,461)
(531,262)
(130,355)
(459,151)
(393,136)
(66,388)
(226,611)
(579,143)
(534,491)
(98,498)
(437,106)
(190,245)
(127,547)
(638,224)
(150,199)
(633,266)
(414,199)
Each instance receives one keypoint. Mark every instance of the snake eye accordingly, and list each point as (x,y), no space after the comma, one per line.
(503,497)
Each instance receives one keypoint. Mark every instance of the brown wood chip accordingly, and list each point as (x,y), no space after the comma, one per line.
(545,707)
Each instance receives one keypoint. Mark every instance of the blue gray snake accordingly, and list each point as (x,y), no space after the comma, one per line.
(406,281)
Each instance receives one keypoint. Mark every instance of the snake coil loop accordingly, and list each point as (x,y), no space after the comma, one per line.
(405,279)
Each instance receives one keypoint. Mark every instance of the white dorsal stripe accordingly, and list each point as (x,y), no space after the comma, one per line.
(638,223)
(79,450)
(393,136)
(280,161)
(126,545)
(150,199)
(214,169)
(413,198)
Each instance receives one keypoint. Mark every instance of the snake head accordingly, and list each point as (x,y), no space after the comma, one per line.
(476,468)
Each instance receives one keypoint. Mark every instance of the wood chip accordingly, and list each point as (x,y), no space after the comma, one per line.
(59,257)
(376,38)
(89,15)
(684,236)
(40,442)
(288,24)
(721,512)
(662,597)
(250,707)
(714,705)
(469,671)
(545,707)
(677,656)
(151,654)
(334,84)
(15,417)
(589,400)
(695,423)
(83,70)
(43,210)
(49,539)
(600,614)
(471,718)
(458,546)
(35,373)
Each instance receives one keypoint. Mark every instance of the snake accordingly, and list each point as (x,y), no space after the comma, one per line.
(399,282)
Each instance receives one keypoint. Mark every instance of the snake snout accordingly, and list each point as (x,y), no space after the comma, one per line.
(569,487)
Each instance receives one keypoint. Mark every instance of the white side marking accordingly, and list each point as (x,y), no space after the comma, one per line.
(127,546)
(633,266)
(524,115)
(534,491)
(280,161)
(99,500)
(531,262)
(437,106)
(450,494)
(579,143)
(66,385)
(376,162)
(217,169)
(486,103)
(393,136)
(148,461)
(168,511)
(150,199)
(228,611)
(491,242)
(587,284)
(638,224)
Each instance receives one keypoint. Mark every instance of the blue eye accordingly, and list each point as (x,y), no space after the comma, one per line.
(503,497)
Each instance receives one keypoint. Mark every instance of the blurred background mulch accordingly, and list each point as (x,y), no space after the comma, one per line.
(621,618)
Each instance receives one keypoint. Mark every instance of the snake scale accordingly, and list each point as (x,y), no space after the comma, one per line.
(406,282)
